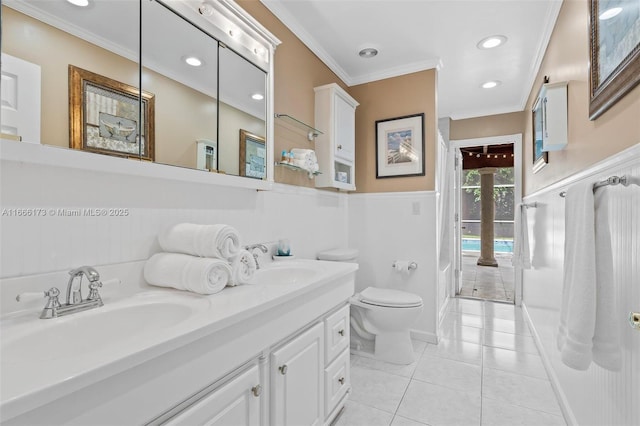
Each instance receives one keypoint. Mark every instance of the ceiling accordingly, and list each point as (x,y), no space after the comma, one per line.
(414,35)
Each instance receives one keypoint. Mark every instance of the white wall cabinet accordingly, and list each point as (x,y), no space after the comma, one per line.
(335,115)
(297,380)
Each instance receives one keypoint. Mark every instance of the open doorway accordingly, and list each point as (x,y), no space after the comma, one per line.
(487,190)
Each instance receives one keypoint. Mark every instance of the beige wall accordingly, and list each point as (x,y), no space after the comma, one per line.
(389,98)
(491,125)
(567,59)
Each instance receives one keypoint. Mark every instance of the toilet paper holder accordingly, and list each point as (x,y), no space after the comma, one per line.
(412,265)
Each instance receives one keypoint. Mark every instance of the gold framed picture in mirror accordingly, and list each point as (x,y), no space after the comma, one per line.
(253,155)
(110,117)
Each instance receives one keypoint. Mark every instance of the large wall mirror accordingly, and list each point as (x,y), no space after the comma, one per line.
(173,82)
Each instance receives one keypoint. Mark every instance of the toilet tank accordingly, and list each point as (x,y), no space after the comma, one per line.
(339,255)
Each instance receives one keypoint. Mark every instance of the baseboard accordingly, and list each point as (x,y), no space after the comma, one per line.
(424,336)
(553,378)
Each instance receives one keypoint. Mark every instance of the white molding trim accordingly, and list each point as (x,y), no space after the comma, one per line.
(627,157)
(394,72)
(424,336)
(552,16)
(553,377)
(405,194)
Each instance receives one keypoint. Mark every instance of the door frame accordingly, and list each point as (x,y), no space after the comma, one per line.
(516,140)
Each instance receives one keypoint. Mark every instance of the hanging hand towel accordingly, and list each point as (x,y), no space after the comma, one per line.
(606,338)
(243,266)
(221,241)
(521,252)
(184,272)
(587,328)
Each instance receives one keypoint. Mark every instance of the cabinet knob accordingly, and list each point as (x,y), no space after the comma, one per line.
(339,146)
(341,332)
(341,380)
(256,390)
(283,369)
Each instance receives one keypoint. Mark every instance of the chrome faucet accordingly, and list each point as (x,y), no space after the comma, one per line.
(54,308)
(251,249)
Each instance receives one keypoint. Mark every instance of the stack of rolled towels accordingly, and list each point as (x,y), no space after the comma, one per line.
(200,258)
(305,159)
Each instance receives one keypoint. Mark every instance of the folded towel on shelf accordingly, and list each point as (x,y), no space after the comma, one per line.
(243,266)
(222,241)
(587,327)
(183,272)
(521,252)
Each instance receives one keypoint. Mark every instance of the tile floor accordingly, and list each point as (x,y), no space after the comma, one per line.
(487,282)
(485,371)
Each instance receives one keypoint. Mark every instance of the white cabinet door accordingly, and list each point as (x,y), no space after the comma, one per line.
(297,368)
(345,129)
(236,403)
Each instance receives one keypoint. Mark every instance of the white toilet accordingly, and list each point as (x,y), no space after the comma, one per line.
(381,315)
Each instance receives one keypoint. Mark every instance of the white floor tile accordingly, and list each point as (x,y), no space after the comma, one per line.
(439,406)
(402,421)
(456,350)
(397,369)
(449,373)
(449,330)
(467,320)
(377,388)
(514,342)
(499,413)
(514,362)
(356,414)
(466,306)
(507,326)
(517,389)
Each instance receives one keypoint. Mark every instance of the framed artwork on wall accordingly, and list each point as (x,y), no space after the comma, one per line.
(253,155)
(110,117)
(400,146)
(614,48)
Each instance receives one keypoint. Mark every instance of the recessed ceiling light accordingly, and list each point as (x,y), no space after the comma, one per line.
(491,84)
(610,13)
(81,3)
(193,61)
(491,42)
(368,52)
(257,96)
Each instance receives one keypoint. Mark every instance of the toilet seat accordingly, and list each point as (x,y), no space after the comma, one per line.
(389,298)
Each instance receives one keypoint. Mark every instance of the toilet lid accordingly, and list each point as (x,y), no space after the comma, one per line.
(338,254)
(390,298)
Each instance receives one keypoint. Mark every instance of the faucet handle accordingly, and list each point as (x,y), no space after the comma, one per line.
(51,293)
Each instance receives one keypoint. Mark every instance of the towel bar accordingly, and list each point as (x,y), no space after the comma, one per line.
(611,180)
(533,205)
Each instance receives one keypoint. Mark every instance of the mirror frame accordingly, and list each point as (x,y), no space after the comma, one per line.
(247,138)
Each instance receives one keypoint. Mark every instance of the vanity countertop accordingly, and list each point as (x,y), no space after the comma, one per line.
(32,378)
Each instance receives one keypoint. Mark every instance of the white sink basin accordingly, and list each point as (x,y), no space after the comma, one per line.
(284,273)
(95,330)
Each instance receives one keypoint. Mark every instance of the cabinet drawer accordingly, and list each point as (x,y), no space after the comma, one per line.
(337,381)
(336,329)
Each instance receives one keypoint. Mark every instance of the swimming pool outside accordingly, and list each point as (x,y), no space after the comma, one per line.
(499,246)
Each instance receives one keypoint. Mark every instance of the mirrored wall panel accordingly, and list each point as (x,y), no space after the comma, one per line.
(142,79)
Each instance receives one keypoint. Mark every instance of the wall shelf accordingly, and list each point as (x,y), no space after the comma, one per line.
(299,169)
(312,132)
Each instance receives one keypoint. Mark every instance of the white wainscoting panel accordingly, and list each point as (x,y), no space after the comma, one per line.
(595,396)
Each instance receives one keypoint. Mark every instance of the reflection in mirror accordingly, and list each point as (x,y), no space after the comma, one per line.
(179,66)
(242,107)
(40,40)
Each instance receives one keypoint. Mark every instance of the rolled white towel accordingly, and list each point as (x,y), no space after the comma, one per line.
(183,272)
(243,266)
(304,154)
(222,241)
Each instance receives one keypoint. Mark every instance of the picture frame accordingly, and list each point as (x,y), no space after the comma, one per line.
(614,50)
(110,117)
(400,146)
(540,157)
(253,155)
